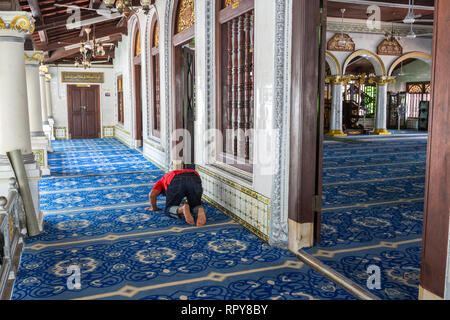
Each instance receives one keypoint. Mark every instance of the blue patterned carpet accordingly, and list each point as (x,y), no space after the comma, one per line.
(373,199)
(94,210)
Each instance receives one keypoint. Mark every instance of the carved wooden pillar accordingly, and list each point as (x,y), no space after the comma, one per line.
(229,141)
(235,85)
(241,89)
(247,81)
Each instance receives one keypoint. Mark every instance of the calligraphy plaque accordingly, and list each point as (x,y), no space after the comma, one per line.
(83,77)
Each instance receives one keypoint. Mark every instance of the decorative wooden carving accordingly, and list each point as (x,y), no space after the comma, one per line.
(239,69)
(390,47)
(336,44)
(185,15)
(156,35)
(228,3)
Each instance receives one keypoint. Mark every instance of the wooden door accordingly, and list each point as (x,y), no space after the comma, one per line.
(84,114)
(189,103)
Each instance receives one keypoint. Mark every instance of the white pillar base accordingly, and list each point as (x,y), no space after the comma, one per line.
(34,175)
(301,235)
(40,145)
(51,123)
(48,130)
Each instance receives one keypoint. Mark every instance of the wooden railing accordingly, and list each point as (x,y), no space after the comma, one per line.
(12,232)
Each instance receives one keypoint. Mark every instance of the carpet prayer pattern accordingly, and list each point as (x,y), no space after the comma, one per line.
(373,201)
(94,218)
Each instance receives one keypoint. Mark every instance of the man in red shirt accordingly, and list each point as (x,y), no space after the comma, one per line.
(175,186)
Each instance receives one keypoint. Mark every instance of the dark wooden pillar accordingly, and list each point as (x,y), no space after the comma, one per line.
(307,81)
(437,192)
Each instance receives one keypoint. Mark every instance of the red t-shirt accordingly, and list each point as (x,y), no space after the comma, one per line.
(165,181)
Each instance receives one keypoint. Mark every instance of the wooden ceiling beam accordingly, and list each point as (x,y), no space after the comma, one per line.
(37,15)
(61,21)
(64,54)
(114,34)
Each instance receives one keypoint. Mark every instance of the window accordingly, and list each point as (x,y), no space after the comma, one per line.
(137,43)
(370,99)
(156,97)
(236,106)
(120,99)
(416,92)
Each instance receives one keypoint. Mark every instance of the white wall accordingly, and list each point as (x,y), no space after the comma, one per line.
(416,71)
(370,42)
(59,95)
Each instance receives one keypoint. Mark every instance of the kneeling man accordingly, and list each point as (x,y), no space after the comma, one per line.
(175,186)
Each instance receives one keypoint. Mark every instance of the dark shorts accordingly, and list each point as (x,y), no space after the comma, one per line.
(183,185)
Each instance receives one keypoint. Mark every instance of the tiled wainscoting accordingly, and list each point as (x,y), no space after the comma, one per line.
(249,208)
(122,135)
(108,132)
(60,133)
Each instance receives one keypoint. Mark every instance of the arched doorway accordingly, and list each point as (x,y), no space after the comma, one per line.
(183,81)
(360,93)
(155,71)
(409,98)
(332,74)
(136,68)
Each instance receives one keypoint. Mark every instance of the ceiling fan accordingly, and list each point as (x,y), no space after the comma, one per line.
(412,18)
(412,35)
(110,10)
(102,11)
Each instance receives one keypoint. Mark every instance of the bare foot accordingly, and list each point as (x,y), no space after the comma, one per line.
(201,220)
(187,214)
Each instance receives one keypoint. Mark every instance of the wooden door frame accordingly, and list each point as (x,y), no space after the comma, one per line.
(437,197)
(137,98)
(97,107)
(178,40)
(306,132)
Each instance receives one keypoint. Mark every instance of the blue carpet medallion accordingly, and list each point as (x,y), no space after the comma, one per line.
(373,201)
(95,219)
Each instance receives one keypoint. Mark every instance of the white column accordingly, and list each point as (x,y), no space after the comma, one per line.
(381,109)
(39,141)
(14,118)
(45,121)
(48,94)
(337,88)
(42,71)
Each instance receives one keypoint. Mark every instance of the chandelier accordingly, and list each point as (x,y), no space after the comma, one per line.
(89,49)
(126,6)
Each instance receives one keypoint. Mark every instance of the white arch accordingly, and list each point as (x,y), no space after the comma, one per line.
(380,69)
(148,78)
(133,24)
(333,62)
(425,57)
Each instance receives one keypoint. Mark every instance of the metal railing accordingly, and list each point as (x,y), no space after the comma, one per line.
(12,233)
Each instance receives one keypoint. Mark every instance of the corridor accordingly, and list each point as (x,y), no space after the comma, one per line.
(94,208)
(373,198)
